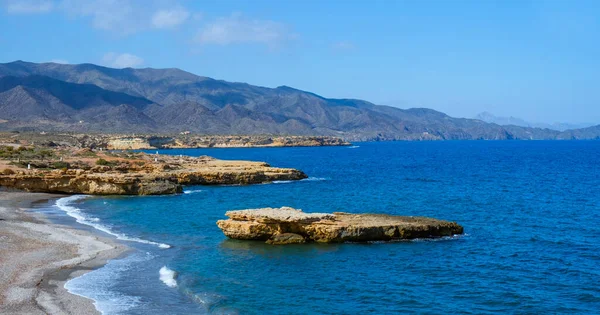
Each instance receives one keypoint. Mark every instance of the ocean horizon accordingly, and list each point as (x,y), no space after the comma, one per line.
(530,210)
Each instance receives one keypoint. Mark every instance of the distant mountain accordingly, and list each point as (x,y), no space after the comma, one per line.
(504,121)
(592,132)
(87,97)
(39,101)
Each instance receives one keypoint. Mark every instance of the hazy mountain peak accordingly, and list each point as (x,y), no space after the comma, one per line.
(491,118)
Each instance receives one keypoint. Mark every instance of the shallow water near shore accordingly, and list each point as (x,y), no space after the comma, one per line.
(531,211)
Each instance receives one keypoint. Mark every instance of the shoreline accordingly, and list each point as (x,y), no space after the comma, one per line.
(37,258)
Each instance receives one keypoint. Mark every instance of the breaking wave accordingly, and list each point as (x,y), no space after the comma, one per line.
(167,276)
(310,179)
(282,181)
(74,212)
(98,285)
(192,191)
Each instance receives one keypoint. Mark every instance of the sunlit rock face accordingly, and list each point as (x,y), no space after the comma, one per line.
(291,226)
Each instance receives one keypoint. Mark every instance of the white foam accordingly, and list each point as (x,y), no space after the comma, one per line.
(281,181)
(65,205)
(310,179)
(192,191)
(354,147)
(167,276)
(98,285)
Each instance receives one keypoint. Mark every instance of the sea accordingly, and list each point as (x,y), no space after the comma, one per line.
(530,209)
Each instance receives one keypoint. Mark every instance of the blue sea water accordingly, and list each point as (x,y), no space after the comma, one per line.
(531,212)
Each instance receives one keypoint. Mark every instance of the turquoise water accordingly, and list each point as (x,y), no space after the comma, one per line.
(531,211)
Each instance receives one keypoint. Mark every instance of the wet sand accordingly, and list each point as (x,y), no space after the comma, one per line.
(37,257)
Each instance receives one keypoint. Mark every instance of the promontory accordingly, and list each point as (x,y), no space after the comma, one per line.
(100,172)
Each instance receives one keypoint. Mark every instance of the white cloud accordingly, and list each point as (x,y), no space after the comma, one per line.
(237,29)
(125,60)
(28,6)
(126,17)
(61,61)
(170,18)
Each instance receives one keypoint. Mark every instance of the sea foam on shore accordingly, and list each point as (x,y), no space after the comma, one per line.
(65,204)
(98,285)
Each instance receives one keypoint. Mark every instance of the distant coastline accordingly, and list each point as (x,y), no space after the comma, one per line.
(144,141)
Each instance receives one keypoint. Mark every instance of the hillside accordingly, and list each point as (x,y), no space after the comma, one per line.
(491,118)
(87,97)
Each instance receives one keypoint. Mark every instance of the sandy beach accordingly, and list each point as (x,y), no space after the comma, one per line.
(37,257)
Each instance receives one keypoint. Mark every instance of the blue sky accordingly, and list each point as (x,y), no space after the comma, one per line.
(537,60)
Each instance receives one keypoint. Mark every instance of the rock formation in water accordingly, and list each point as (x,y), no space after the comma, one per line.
(289,226)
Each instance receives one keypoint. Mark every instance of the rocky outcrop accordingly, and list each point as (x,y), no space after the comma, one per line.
(210,171)
(91,184)
(194,141)
(291,226)
(148,141)
(147,175)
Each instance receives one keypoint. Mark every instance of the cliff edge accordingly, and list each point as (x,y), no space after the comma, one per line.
(126,173)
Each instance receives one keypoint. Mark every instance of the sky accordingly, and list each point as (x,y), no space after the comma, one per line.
(536,60)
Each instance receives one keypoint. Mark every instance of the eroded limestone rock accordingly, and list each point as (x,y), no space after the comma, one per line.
(166,175)
(287,226)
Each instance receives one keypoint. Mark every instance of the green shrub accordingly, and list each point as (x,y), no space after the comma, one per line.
(61,164)
(105,162)
(86,153)
(22,164)
(101,162)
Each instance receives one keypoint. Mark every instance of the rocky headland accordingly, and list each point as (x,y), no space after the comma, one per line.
(289,226)
(182,140)
(195,141)
(97,172)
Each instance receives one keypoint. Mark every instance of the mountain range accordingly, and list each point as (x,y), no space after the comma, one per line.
(92,98)
(491,118)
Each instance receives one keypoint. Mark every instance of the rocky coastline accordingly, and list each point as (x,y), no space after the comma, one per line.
(85,171)
(286,225)
(194,141)
(183,140)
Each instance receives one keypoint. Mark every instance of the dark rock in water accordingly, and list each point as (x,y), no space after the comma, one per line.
(286,238)
(290,226)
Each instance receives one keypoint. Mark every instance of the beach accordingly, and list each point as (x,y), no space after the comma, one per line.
(38,257)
